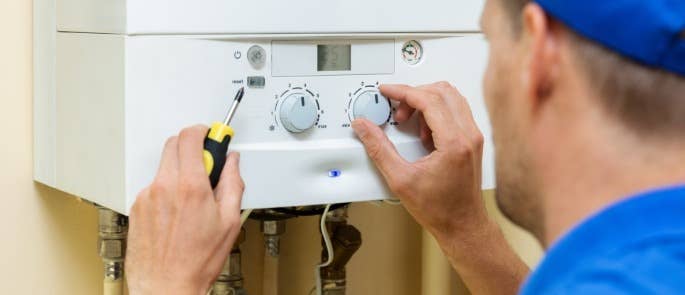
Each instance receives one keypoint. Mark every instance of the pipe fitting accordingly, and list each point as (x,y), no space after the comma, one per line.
(113,228)
(230,280)
(272,230)
(112,232)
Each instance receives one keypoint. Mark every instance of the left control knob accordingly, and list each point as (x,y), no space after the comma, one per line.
(298,112)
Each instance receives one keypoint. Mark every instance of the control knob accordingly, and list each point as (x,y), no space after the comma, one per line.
(371,105)
(298,112)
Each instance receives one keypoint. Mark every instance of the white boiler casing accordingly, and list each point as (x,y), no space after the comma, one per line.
(113,83)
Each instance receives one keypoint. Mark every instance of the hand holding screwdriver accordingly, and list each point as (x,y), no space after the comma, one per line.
(217,140)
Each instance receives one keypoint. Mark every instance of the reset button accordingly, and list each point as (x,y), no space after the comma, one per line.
(256,81)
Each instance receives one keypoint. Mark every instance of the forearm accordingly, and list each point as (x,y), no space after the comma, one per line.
(483,259)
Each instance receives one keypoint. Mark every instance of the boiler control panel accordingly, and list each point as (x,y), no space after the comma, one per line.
(293,127)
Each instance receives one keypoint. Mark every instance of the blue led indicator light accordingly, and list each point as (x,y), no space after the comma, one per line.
(334,173)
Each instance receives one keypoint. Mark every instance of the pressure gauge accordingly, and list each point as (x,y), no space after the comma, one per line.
(412,52)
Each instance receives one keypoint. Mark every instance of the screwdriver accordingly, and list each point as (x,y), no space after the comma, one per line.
(217,140)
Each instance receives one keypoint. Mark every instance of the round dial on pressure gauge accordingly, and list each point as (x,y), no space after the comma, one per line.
(371,105)
(298,112)
(412,52)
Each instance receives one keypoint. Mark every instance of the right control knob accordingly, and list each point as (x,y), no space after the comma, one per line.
(371,105)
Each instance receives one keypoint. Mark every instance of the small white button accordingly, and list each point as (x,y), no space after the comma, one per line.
(298,112)
(373,106)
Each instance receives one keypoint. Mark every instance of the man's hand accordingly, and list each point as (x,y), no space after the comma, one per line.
(443,190)
(181,231)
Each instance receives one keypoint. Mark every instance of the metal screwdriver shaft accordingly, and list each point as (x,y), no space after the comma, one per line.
(217,140)
(234,105)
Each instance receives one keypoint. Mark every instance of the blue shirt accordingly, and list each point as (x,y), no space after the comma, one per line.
(636,246)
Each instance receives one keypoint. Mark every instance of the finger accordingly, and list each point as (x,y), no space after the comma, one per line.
(229,191)
(466,112)
(137,207)
(190,147)
(379,148)
(415,97)
(439,88)
(459,105)
(404,112)
(425,134)
(433,106)
(168,165)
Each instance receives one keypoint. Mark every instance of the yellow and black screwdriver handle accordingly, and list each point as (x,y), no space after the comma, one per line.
(216,147)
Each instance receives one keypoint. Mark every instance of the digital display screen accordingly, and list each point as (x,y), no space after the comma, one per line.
(334,57)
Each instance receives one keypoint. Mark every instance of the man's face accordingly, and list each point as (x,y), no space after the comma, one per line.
(506,100)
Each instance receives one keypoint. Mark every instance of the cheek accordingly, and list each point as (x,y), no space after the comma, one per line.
(494,90)
(498,95)
(488,85)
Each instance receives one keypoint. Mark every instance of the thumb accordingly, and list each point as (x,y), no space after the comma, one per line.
(229,190)
(379,148)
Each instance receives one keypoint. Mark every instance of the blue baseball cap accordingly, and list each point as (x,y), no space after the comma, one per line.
(651,32)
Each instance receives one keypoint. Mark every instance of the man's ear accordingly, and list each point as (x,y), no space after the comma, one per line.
(541,61)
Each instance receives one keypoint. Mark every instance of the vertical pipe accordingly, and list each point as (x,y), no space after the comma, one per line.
(272,230)
(230,280)
(113,286)
(270,275)
(112,231)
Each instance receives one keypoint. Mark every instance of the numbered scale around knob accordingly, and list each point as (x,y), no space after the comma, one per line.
(297,110)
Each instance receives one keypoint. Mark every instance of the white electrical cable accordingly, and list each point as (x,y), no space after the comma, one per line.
(376,203)
(379,203)
(329,251)
(392,201)
(243,216)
